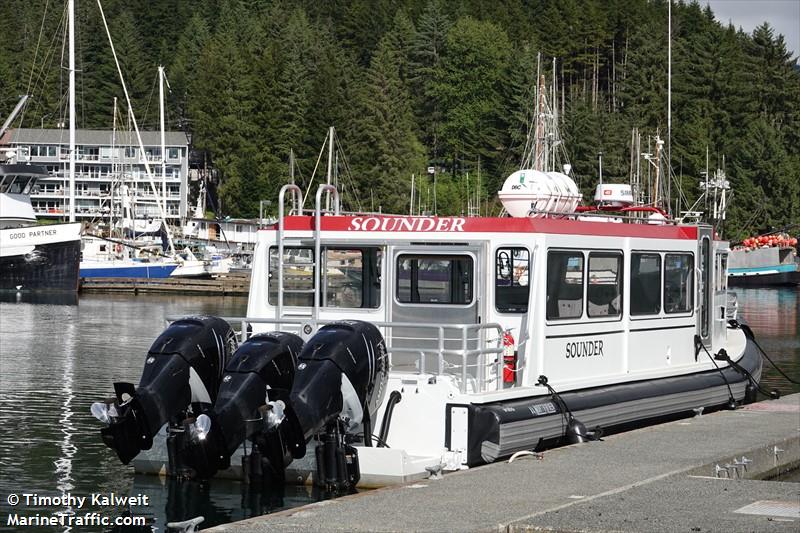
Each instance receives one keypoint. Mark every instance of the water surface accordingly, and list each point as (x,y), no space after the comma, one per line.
(56,359)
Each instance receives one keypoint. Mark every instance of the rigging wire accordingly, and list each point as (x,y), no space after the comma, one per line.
(348,171)
(314,173)
(33,84)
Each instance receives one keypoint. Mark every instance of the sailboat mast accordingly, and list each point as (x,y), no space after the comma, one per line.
(163,140)
(71,17)
(330,167)
(113,167)
(145,162)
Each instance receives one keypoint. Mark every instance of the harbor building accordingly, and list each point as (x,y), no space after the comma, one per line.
(109,173)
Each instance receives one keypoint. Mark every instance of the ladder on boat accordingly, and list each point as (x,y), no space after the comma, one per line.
(316,262)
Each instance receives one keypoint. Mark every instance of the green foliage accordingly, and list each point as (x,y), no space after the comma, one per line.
(420,83)
(471,91)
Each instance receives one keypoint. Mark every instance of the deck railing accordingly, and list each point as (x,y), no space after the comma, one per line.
(476,348)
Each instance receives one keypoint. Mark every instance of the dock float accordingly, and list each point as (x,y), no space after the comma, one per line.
(233,284)
(701,474)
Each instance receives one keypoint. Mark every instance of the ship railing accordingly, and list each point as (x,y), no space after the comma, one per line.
(470,353)
(732,306)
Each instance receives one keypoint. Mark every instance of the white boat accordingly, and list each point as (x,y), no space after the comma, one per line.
(487,337)
(392,347)
(124,258)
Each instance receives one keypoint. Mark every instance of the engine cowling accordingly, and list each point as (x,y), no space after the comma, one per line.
(260,371)
(342,372)
(183,366)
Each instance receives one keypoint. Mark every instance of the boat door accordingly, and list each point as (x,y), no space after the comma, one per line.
(705,286)
(432,286)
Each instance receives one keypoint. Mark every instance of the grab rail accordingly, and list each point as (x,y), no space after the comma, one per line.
(318,239)
(479,337)
(298,200)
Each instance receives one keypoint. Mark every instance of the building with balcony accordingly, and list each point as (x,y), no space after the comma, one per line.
(109,173)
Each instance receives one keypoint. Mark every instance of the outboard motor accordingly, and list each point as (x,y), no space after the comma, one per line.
(260,371)
(183,368)
(338,386)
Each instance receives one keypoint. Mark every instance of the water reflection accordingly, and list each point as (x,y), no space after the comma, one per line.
(774,316)
(64,480)
(46,298)
(218,501)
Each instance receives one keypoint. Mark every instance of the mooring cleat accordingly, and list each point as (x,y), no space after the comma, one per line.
(187,526)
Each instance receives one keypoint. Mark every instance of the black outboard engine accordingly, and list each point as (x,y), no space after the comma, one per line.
(183,367)
(338,386)
(259,372)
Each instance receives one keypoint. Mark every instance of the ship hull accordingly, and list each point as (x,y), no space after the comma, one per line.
(765,279)
(48,267)
(127,269)
(40,258)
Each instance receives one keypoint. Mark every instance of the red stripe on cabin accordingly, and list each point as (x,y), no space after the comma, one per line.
(438,225)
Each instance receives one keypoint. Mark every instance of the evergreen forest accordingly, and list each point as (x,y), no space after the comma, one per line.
(413,84)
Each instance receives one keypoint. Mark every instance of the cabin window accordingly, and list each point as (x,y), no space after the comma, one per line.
(722,272)
(352,277)
(564,285)
(604,285)
(678,283)
(434,279)
(512,274)
(645,284)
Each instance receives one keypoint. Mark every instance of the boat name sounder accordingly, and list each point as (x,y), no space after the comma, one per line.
(584,349)
(407,224)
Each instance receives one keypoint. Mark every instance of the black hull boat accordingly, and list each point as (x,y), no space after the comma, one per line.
(48,267)
(33,257)
(773,279)
(764,267)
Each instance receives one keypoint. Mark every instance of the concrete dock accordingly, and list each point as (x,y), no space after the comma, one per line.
(675,477)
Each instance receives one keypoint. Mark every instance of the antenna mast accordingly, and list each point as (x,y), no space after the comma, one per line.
(669,102)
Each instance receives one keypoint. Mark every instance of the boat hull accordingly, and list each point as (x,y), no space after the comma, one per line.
(768,278)
(763,267)
(127,270)
(504,428)
(49,266)
(499,429)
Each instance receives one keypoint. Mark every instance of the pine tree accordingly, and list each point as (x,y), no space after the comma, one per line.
(391,151)
(182,72)
(471,92)
(426,56)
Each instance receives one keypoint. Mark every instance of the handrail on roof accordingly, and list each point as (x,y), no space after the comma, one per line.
(298,201)
(318,238)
